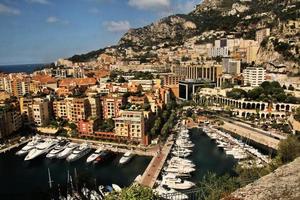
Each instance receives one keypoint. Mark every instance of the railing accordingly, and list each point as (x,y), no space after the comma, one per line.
(194,194)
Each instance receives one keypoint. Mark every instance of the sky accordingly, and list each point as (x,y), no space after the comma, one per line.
(41,31)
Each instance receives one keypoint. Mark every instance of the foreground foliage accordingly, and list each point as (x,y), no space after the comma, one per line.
(135,192)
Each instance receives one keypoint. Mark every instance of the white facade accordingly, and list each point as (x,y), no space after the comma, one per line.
(254,76)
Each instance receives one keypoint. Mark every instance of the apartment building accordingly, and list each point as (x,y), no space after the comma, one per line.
(10,120)
(131,126)
(111,105)
(40,110)
(171,79)
(73,109)
(35,111)
(231,66)
(208,70)
(254,76)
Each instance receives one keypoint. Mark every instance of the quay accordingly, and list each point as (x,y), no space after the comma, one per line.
(154,168)
(14,145)
(251,134)
(120,148)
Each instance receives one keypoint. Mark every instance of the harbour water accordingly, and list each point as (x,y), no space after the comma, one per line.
(29,180)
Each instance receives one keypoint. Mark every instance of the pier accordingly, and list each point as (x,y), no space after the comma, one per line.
(154,168)
(14,145)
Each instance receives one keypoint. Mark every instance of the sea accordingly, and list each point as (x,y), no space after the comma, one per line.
(29,180)
(27,68)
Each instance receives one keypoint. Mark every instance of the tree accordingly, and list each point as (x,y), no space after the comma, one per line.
(121,79)
(291,88)
(134,192)
(288,149)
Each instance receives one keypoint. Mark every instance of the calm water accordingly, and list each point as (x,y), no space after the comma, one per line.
(208,157)
(28,68)
(29,180)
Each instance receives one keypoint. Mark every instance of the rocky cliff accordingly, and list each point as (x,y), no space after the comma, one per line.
(282,184)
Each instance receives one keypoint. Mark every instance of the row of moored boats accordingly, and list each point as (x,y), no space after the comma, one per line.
(178,168)
(63,149)
(236,148)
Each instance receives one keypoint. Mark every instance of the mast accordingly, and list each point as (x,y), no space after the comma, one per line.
(49,178)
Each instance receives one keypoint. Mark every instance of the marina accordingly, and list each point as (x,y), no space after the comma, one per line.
(178,165)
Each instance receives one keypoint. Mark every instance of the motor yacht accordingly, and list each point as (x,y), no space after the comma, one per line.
(126,157)
(179,169)
(94,156)
(67,151)
(41,148)
(104,156)
(176,183)
(59,148)
(181,154)
(30,145)
(79,152)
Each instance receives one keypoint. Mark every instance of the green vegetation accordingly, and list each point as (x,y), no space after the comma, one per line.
(267,91)
(143,75)
(135,192)
(107,125)
(297,114)
(288,150)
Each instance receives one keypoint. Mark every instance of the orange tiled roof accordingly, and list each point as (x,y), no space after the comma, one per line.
(44,79)
(77,81)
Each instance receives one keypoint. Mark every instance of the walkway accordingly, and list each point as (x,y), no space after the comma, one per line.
(154,168)
(252,134)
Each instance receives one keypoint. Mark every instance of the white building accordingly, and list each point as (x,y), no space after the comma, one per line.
(254,76)
(231,66)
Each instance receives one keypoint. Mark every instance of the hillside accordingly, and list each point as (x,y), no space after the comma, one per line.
(216,18)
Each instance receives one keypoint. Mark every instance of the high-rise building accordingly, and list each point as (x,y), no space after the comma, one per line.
(231,66)
(189,87)
(254,76)
(10,120)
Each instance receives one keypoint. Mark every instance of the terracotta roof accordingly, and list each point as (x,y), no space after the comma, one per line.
(77,81)
(44,79)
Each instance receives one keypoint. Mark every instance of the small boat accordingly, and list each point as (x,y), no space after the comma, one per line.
(126,157)
(116,188)
(79,152)
(168,193)
(104,191)
(176,183)
(94,156)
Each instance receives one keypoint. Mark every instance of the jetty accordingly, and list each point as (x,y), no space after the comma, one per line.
(154,168)
(12,146)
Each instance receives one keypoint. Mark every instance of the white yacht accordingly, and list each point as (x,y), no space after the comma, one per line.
(30,145)
(126,157)
(176,183)
(67,151)
(79,152)
(168,193)
(59,148)
(41,149)
(179,169)
(94,156)
(181,154)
